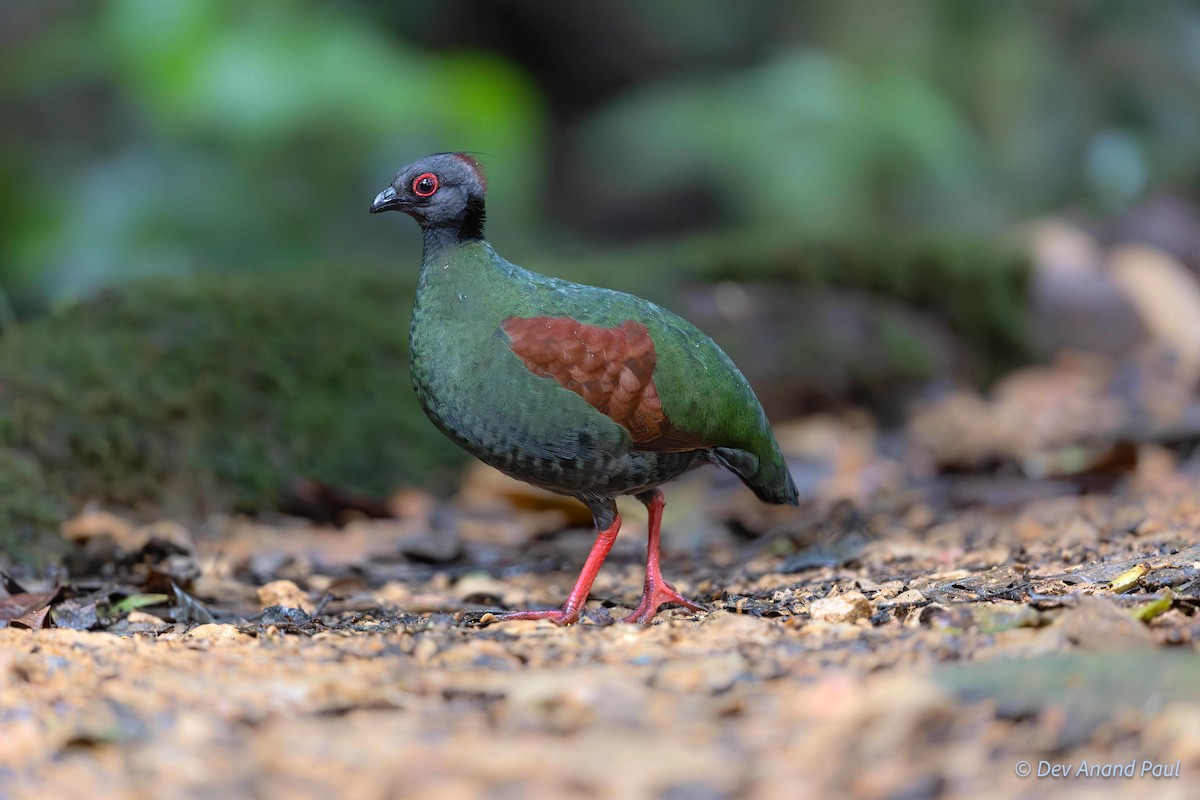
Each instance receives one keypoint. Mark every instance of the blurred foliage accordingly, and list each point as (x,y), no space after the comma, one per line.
(804,143)
(174,136)
(936,115)
(163,138)
(193,397)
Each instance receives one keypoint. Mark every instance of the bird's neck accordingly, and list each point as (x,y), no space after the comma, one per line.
(451,233)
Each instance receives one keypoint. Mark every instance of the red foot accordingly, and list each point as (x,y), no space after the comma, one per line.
(656,596)
(658,591)
(569,613)
(560,616)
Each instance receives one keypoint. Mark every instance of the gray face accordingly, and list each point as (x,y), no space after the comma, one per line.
(437,191)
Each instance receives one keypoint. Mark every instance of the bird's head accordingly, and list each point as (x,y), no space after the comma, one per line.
(442,190)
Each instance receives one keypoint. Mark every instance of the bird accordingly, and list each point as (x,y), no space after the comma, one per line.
(585,391)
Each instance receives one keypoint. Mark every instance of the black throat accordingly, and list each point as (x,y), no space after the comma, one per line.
(471,226)
(467,228)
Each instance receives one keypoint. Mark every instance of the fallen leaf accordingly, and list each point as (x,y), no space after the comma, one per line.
(1155,608)
(34,620)
(18,605)
(1128,580)
(135,601)
(78,616)
(188,609)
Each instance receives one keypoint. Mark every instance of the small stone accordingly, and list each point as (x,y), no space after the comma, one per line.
(95,523)
(425,650)
(890,588)
(481,586)
(284,615)
(848,607)
(909,598)
(215,632)
(1149,527)
(137,617)
(284,593)
(170,532)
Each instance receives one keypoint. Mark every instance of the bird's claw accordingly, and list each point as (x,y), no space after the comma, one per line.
(560,616)
(658,595)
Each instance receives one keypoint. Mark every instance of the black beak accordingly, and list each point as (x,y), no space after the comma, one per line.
(386,201)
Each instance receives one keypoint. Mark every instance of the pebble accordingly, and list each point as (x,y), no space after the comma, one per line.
(848,607)
(910,597)
(284,593)
(215,632)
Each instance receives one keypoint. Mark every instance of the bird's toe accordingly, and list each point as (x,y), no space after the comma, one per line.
(657,596)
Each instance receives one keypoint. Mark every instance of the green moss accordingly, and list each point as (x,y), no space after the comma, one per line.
(211,395)
(981,288)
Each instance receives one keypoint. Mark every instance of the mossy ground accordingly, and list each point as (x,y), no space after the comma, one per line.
(210,395)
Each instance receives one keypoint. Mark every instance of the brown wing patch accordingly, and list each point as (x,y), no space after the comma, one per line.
(611,368)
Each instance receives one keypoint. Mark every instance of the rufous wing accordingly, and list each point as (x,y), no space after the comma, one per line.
(611,368)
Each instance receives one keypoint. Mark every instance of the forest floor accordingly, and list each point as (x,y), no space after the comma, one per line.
(908,632)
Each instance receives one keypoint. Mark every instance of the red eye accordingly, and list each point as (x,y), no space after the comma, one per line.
(425,184)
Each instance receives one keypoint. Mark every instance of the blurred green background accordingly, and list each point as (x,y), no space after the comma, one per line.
(175,137)
(187,183)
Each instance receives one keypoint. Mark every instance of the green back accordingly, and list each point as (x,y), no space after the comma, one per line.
(467,291)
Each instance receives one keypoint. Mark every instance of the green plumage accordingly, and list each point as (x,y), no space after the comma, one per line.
(556,384)
(477,390)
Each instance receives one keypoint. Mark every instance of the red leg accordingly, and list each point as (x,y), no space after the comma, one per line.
(569,613)
(658,591)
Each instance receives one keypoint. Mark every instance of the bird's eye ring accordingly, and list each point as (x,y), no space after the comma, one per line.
(425,184)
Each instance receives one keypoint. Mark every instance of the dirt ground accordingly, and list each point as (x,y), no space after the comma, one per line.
(907,633)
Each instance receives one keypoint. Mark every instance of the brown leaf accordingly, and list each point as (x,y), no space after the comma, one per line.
(34,620)
(18,606)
